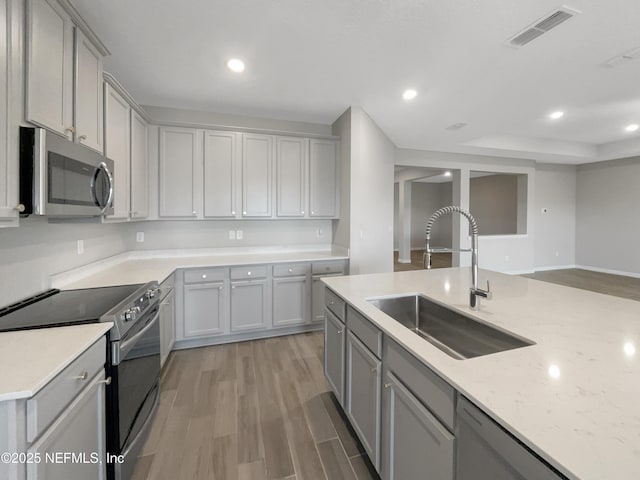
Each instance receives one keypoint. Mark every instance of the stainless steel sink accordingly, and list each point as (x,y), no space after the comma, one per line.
(452,332)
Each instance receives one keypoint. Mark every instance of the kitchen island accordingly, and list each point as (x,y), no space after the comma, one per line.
(570,397)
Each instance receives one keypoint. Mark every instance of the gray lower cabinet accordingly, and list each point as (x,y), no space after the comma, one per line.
(80,429)
(167,325)
(204,309)
(487,452)
(250,305)
(414,443)
(334,340)
(362,395)
(290,304)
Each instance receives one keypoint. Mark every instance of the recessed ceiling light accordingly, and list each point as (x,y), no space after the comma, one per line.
(632,128)
(556,115)
(409,94)
(236,65)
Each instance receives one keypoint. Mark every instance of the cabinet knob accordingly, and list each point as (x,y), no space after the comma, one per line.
(290,270)
(20,208)
(339,332)
(387,385)
(83,376)
(194,213)
(244,213)
(82,137)
(302,213)
(331,302)
(374,369)
(233,212)
(106,381)
(220,287)
(312,212)
(248,274)
(233,287)
(204,275)
(70,129)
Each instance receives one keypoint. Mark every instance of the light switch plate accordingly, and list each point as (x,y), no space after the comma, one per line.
(140,237)
(232,234)
(239,234)
(80,247)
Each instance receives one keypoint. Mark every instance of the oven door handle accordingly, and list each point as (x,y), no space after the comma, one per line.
(128,344)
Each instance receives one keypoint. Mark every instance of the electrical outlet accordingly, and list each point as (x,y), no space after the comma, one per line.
(506,258)
(557,254)
(319,233)
(140,237)
(232,234)
(80,247)
(239,234)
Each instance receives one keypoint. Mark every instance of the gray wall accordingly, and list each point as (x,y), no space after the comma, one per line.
(342,229)
(493,201)
(608,215)
(426,198)
(555,230)
(36,249)
(165,234)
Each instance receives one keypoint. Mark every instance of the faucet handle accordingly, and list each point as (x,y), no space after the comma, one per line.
(488,286)
(488,293)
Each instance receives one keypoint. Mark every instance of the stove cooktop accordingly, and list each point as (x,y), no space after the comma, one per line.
(56,308)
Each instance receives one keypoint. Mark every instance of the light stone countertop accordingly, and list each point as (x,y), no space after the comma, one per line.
(142,267)
(573,397)
(29,359)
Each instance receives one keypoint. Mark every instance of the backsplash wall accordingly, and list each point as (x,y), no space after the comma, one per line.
(36,249)
(159,235)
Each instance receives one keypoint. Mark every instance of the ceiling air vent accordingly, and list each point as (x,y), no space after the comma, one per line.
(541,26)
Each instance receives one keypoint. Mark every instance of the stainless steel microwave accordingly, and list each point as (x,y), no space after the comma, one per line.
(59,178)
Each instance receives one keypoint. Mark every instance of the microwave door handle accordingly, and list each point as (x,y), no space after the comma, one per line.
(107,203)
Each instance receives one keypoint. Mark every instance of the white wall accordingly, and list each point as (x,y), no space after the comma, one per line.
(165,234)
(36,249)
(342,228)
(608,215)
(555,239)
(372,164)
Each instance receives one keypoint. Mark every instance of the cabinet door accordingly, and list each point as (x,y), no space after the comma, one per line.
(167,326)
(204,312)
(414,443)
(139,167)
(257,174)
(49,68)
(220,164)
(78,429)
(362,395)
(334,334)
(291,174)
(178,157)
(323,178)
(249,305)
(290,301)
(8,142)
(88,94)
(117,143)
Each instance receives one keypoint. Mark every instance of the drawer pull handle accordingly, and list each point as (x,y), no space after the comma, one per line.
(220,287)
(83,376)
(331,302)
(387,385)
(339,332)
(106,381)
(204,275)
(82,137)
(70,130)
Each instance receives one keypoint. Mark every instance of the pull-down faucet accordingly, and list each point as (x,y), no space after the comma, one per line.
(473,225)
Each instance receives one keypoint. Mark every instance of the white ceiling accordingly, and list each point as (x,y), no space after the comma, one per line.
(309,60)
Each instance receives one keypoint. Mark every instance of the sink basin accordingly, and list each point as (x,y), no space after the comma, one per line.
(452,332)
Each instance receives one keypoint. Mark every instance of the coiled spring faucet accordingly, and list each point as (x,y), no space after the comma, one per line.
(473,226)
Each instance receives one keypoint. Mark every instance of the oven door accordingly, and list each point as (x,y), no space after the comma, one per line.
(138,374)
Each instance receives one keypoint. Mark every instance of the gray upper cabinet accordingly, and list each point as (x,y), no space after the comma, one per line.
(257,175)
(139,166)
(334,344)
(362,395)
(10,110)
(49,67)
(291,176)
(414,443)
(323,178)
(179,154)
(117,139)
(88,93)
(221,162)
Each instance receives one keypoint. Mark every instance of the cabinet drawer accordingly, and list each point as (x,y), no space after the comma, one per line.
(249,272)
(368,333)
(334,303)
(47,404)
(436,394)
(290,269)
(336,266)
(204,275)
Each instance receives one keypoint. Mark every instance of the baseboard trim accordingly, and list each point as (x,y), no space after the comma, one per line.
(608,270)
(243,337)
(555,267)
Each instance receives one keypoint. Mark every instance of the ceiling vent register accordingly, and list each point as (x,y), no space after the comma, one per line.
(542,26)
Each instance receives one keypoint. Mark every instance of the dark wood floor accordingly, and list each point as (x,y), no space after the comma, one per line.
(252,411)
(616,285)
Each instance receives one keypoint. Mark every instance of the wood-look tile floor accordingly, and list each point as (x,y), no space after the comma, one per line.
(255,410)
(438,260)
(616,285)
